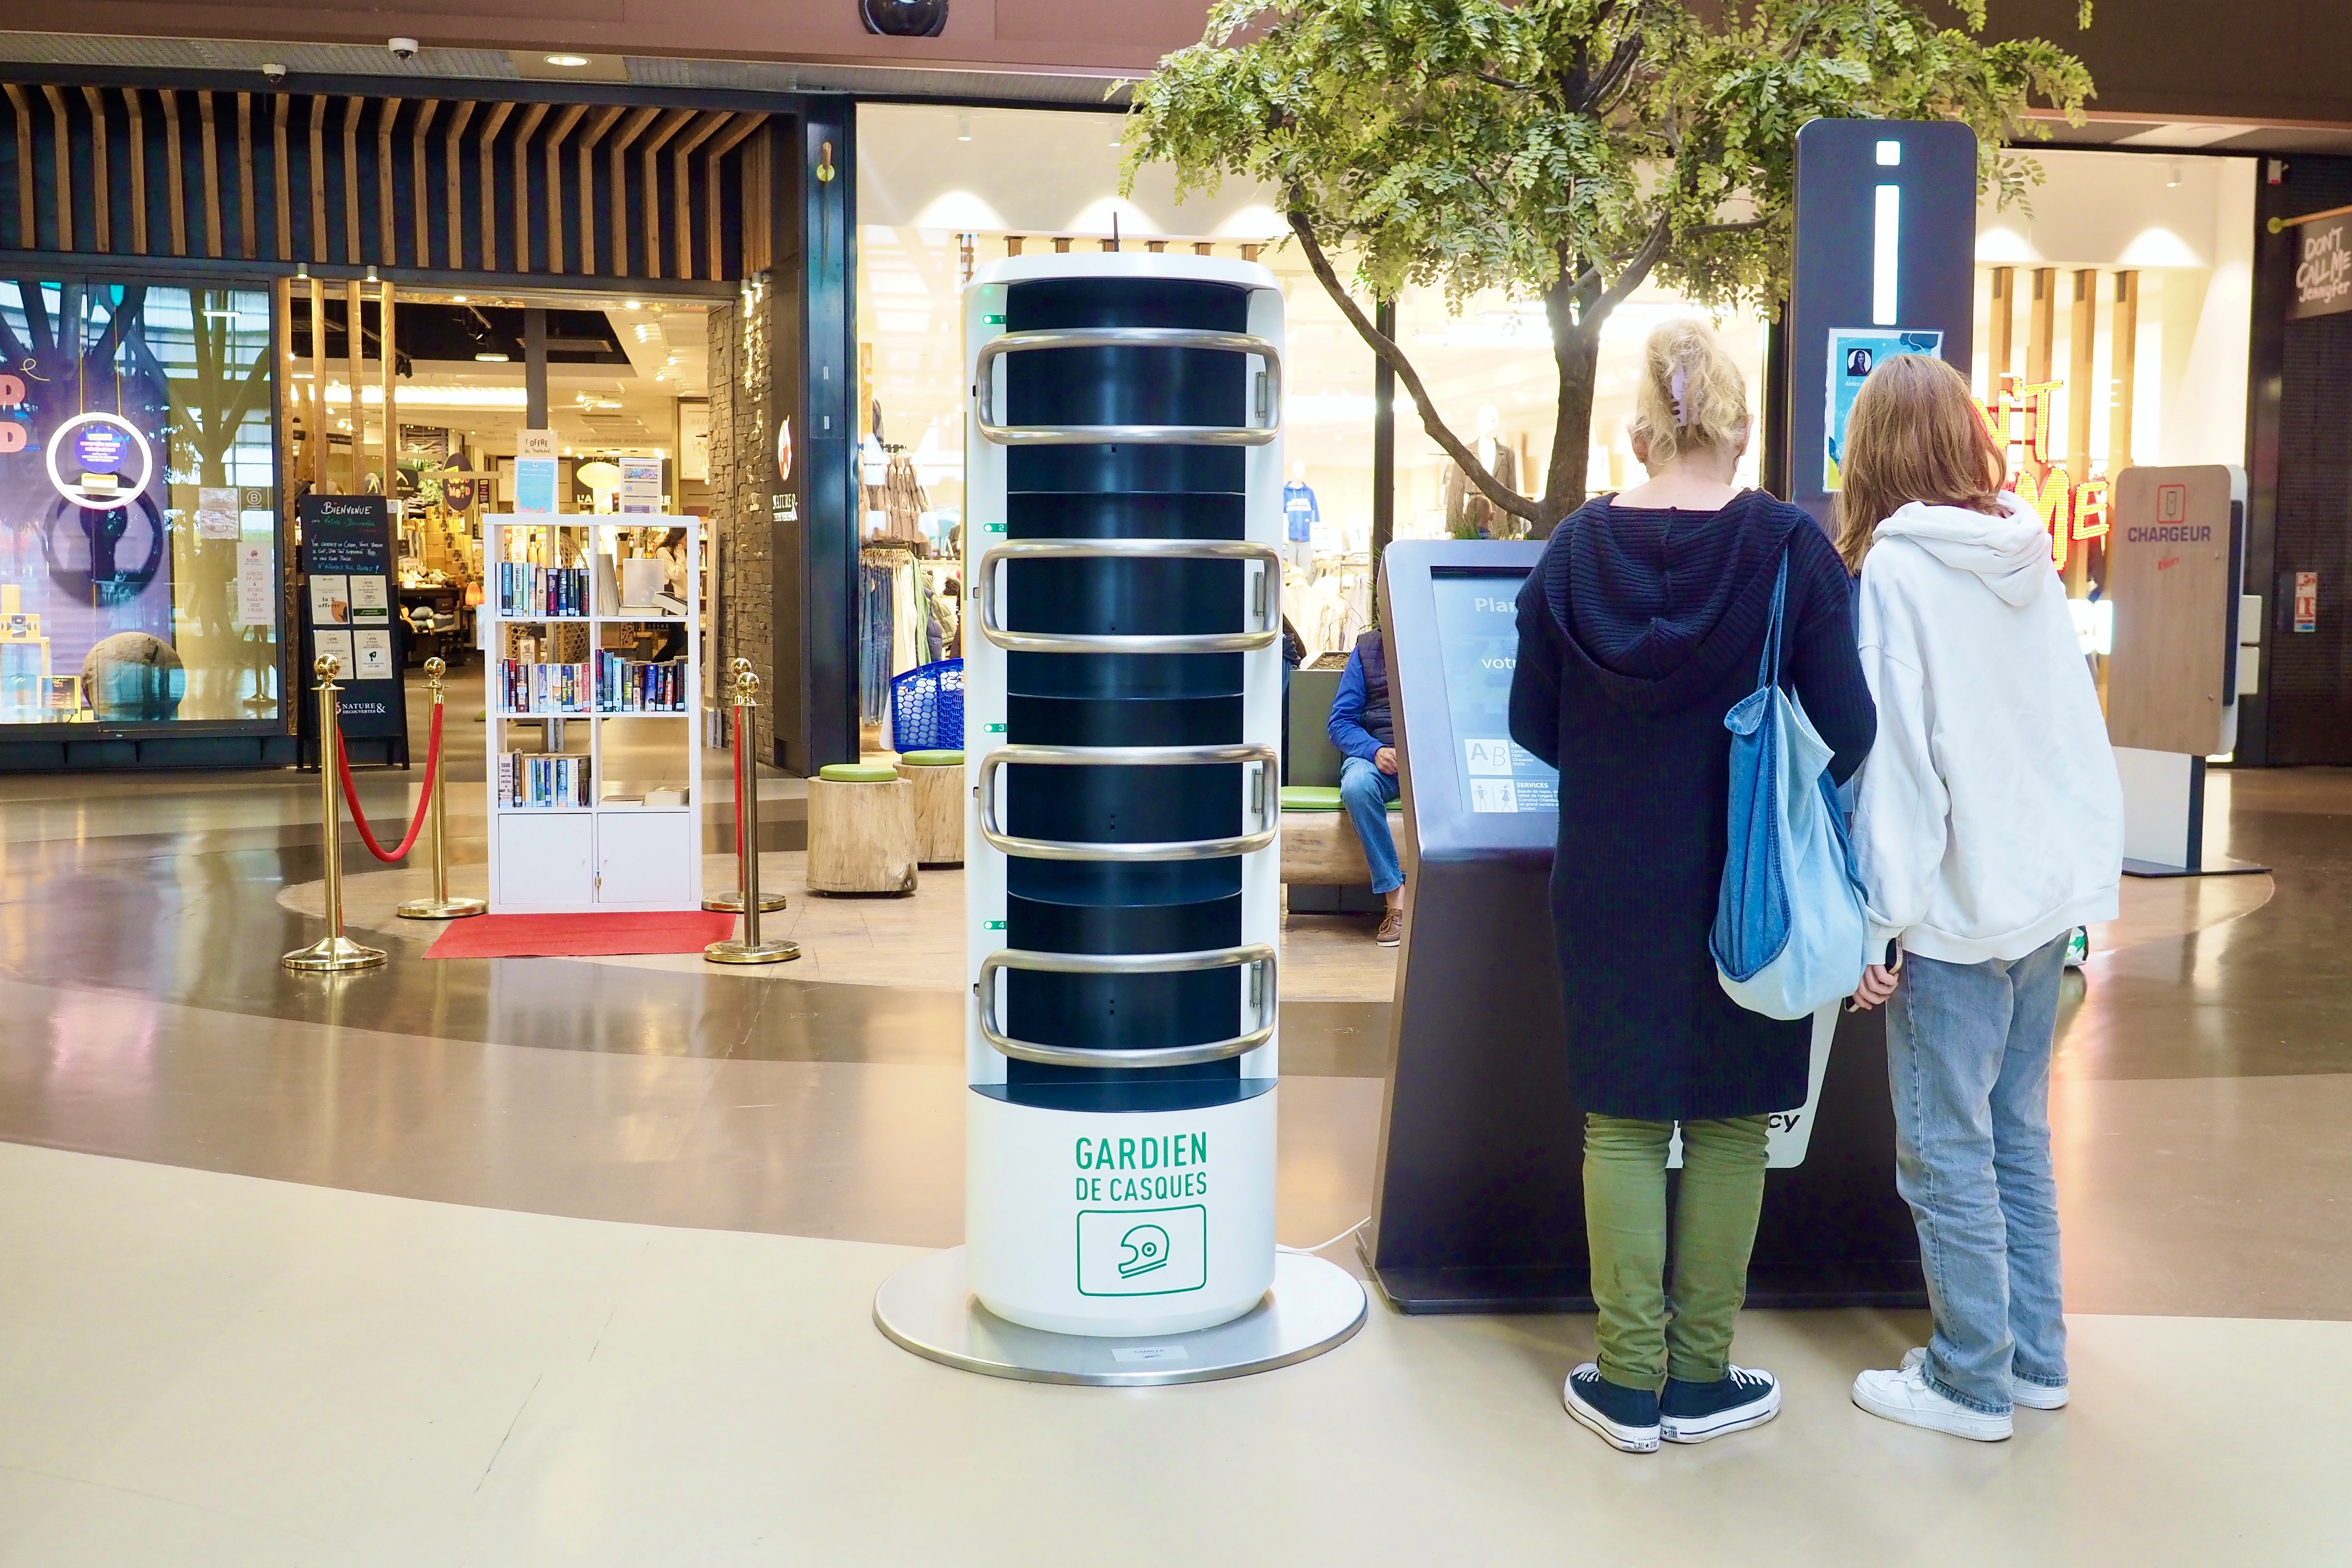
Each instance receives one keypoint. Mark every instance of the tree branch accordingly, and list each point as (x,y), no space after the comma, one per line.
(1631,279)
(1745,227)
(1494,490)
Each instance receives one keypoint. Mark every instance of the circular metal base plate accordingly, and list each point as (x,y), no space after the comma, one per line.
(332,955)
(441,909)
(734,951)
(927,1308)
(733,903)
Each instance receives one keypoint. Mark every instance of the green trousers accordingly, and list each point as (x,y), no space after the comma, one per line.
(1647,1333)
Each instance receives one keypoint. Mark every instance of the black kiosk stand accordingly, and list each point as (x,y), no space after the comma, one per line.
(1480,1203)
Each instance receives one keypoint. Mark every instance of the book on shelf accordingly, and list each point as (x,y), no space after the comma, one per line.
(546,782)
(545,688)
(528,589)
(637,686)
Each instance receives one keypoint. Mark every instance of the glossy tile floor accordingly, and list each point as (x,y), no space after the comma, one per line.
(566,1262)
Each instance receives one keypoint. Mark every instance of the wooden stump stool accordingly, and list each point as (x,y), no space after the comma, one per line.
(938,779)
(1319,846)
(861,830)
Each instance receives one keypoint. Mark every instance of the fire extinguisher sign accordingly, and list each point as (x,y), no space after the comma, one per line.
(2306,601)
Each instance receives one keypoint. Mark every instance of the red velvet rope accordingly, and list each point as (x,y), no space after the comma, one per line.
(424,803)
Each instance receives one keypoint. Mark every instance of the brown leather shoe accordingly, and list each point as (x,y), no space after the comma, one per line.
(1391,929)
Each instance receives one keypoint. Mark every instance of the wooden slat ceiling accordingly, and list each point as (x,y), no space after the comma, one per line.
(350,181)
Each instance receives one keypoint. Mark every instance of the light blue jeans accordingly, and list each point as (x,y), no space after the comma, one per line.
(1967,1060)
(1366,792)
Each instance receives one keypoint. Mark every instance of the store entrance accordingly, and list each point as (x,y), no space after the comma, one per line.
(437,419)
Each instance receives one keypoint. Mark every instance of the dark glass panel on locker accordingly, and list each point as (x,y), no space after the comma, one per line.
(1122,469)
(1124,302)
(1099,596)
(1123,805)
(1082,721)
(1040,925)
(1109,882)
(1122,1012)
(1126,386)
(1124,675)
(1126,1088)
(1141,514)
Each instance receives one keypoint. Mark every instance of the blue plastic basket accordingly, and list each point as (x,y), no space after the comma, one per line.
(926,708)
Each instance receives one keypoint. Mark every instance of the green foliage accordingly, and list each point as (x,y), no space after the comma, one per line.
(1568,150)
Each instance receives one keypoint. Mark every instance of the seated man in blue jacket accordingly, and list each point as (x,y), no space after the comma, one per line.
(1363,729)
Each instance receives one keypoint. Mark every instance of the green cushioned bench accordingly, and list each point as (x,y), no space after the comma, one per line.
(1319,797)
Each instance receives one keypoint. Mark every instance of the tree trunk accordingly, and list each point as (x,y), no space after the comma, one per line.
(1384,450)
(1577,355)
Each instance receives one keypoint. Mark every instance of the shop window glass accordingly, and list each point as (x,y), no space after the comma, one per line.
(946,191)
(138,504)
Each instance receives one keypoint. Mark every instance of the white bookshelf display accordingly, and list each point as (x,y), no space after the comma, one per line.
(592,700)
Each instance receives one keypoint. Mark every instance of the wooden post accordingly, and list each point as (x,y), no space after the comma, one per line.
(2042,326)
(389,358)
(288,389)
(354,346)
(2000,336)
(2082,390)
(2124,363)
(318,385)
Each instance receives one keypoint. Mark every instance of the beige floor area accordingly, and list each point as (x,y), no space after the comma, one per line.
(912,943)
(206,1369)
(917,943)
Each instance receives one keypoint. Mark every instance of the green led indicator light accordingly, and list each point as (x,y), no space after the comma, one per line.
(995,729)
(993,321)
(994,925)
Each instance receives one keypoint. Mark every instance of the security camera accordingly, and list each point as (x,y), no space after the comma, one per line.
(904,19)
(272,72)
(402,48)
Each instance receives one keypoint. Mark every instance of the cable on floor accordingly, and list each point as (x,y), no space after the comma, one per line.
(1310,1252)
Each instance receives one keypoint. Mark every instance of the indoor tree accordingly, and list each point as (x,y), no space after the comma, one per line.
(1565,150)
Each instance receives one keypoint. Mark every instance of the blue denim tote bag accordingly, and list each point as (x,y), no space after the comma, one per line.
(1789,928)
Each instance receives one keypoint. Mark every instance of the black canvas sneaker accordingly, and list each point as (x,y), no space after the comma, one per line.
(1626,1418)
(1694,1411)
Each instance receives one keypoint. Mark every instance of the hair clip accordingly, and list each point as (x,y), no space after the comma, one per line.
(1681,415)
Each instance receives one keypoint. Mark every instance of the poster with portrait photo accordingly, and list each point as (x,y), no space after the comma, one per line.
(1854,354)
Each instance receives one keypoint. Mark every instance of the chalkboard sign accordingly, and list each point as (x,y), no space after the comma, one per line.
(349,610)
(2323,268)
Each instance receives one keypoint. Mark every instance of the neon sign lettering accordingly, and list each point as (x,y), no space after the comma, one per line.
(2074,512)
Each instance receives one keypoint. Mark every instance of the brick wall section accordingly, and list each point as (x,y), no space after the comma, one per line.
(737,373)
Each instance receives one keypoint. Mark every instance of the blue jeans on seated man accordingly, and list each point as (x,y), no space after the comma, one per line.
(1967,1060)
(1366,792)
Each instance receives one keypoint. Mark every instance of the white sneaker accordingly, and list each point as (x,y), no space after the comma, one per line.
(1903,1395)
(2033,1395)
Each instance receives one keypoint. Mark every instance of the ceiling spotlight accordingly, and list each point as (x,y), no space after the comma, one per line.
(635,306)
(568,61)
(459,299)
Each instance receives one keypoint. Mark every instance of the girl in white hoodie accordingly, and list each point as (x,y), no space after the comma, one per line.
(1988,825)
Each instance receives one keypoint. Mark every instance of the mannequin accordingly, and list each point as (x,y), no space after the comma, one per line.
(1299,514)
(1468,513)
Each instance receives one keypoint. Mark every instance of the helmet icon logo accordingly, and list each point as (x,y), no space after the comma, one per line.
(1147,1249)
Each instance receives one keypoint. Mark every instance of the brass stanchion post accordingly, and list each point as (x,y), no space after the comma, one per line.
(440,906)
(745,782)
(334,952)
(732,904)
(749,948)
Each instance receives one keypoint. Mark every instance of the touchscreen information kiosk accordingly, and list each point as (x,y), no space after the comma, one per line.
(1480,1203)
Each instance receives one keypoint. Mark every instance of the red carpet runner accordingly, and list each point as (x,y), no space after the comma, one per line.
(581,935)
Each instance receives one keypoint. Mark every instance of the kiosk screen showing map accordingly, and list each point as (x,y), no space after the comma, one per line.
(1478,644)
